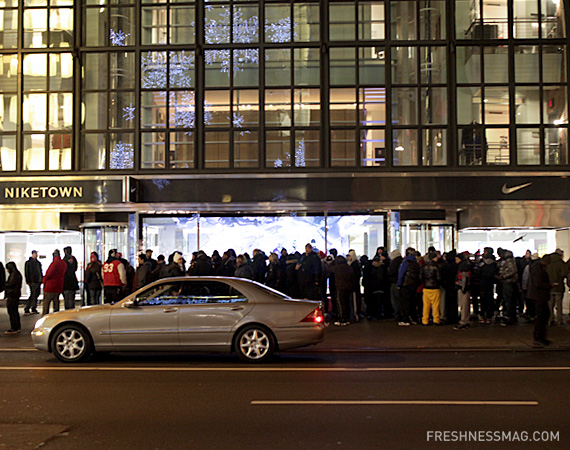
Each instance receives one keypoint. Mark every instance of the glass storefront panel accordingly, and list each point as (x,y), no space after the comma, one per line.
(433,20)
(498,145)
(434,147)
(496,105)
(404,106)
(342,66)
(8,112)
(307,148)
(343,107)
(556,146)
(372,106)
(153,146)
(468,65)
(306,63)
(8,73)
(404,20)
(470,100)
(306,21)
(343,145)
(555,105)
(121,152)
(181,150)
(7,153)
(372,65)
(278,110)
(278,67)
(8,28)
(371,21)
(553,63)
(34,152)
(217,149)
(217,108)
(496,62)
(307,107)
(528,146)
(404,65)
(278,148)
(433,105)
(93,151)
(342,22)
(246,149)
(405,147)
(373,147)
(433,65)
(527,101)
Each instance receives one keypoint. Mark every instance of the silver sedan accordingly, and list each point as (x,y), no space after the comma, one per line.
(219,314)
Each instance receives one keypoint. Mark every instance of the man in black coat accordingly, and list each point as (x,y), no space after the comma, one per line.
(539,291)
(309,270)
(34,276)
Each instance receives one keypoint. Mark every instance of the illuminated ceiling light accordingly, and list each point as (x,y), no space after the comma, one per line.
(438,144)
(558,122)
(399,148)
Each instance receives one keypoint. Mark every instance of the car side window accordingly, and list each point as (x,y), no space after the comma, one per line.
(210,292)
(162,295)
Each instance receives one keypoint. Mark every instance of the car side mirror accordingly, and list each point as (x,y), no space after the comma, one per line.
(131,304)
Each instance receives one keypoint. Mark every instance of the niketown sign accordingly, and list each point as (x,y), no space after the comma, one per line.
(49,192)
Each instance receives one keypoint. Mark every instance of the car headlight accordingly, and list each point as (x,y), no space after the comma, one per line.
(40,322)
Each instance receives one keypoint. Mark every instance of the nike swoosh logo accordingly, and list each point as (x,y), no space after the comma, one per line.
(509,190)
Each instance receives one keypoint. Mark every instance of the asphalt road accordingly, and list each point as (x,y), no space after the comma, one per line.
(405,400)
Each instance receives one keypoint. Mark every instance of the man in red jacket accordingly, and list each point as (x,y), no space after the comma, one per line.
(53,283)
(114,277)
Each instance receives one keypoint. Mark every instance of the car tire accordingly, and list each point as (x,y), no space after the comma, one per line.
(254,344)
(71,344)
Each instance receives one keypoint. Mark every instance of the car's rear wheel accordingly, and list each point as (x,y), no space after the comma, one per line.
(255,344)
(71,343)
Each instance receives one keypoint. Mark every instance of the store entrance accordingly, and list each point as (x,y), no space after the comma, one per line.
(421,236)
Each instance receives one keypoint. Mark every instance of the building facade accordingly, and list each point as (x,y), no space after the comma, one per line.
(176,121)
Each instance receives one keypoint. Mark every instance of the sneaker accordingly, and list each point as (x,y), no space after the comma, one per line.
(537,344)
(27,313)
(413,322)
(403,324)
(337,324)
(35,311)
(461,327)
(12,331)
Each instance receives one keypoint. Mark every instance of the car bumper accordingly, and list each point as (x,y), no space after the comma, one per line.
(40,338)
(295,337)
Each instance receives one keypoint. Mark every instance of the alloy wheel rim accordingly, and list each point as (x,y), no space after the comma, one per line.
(70,344)
(254,344)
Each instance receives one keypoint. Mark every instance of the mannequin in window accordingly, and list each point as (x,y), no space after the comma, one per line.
(472,143)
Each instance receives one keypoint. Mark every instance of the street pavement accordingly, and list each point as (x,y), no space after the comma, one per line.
(377,336)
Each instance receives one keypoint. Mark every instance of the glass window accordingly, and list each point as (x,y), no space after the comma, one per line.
(556,146)
(470,100)
(217,25)
(342,22)
(433,105)
(34,112)
(35,28)
(8,28)
(371,21)
(306,22)
(153,70)
(527,66)
(468,65)
(404,65)
(528,146)
(246,67)
(246,152)
(121,154)
(498,145)
(404,106)
(154,25)
(278,26)
(472,145)
(432,20)
(34,146)
(372,106)
(182,112)
(182,20)
(553,63)
(94,111)
(60,111)
(7,153)
(306,66)
(94,73)
(527,101)
(61,27)
(122,70)
(122,26)
(246,108)
(278,67)
(245,26)
(405,147)
(278,108)
(97,33)
(403,20)
(433,66)
(307,148)
(343,107)
(372,65)
(9,73)
(8,112)
(343,145)
(307,107)
(35,72)
(181,150)
(217,67)
(496,64)
(372,147)
(552,19)
(342,66)
(59,152)
(217,149)
(153,109)
(152,150)
(181,69)
(496,105)
(121,110)
(93,151)
(526,19)
(555,105)
(61,71)
(434,147)
(217,108)
(278,148)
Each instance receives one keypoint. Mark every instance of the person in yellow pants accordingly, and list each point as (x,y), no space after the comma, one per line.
(431,277)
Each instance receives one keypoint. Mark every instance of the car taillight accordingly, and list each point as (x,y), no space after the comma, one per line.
(316,316)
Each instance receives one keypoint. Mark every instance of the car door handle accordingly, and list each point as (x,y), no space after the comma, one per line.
(236,308)
(169,310)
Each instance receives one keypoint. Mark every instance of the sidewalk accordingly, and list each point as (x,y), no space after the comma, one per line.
(379,336)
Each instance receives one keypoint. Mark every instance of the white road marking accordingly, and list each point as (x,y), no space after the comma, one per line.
(72,368)
(394,402)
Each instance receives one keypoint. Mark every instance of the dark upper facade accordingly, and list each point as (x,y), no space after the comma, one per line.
(177,87)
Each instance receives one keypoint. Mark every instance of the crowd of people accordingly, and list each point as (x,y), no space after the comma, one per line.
(433,289)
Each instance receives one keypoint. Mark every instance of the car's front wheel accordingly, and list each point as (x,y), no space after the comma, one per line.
(71,343)
(255,344)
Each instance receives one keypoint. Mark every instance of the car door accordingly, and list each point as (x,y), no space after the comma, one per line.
(150,321)
(211,312)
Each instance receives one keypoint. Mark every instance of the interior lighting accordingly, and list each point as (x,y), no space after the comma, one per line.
(399,148)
